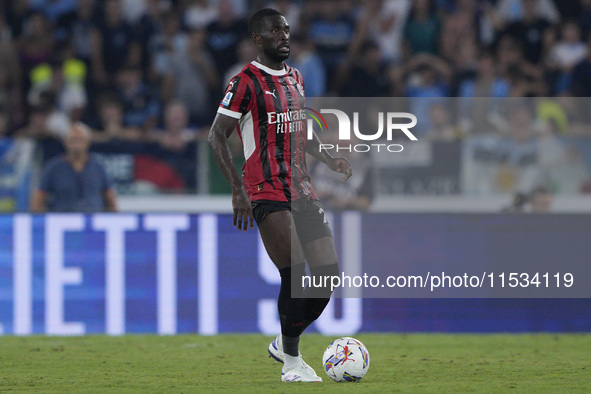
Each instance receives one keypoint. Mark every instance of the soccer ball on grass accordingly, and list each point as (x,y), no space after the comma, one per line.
(346,360)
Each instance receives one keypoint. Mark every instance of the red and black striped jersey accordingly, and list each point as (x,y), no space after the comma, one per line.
(272,126)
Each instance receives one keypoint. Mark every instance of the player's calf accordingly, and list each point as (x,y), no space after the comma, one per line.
(317,298)
(291,305)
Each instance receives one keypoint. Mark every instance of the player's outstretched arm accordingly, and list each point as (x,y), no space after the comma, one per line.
(337,164)
(222,128)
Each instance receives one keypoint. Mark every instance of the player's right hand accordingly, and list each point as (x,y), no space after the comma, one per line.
(342,165)
(243,217)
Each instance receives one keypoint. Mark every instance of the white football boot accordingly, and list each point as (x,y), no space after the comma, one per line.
(276,349)
(276,353)
(296,370)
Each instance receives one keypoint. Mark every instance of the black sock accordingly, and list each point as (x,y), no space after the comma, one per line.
(291,308)
(317,298)
(291,345)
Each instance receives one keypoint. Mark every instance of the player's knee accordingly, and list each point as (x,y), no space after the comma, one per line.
(322,281)
(292,279)
(325,271)
(329,269)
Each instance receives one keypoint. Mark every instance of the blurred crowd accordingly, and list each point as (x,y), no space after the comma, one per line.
(155,69)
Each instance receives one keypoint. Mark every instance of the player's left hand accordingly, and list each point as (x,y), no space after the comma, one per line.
(342,165)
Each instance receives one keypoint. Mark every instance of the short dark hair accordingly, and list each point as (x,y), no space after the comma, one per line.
(256,20)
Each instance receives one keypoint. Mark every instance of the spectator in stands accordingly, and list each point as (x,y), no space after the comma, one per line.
(36,42)
(64,76)
(524,77)
(168,43)
(75,182)
(292,10)
(176,133)
(332,29)
(17,12)
(199,14)
(363,74)
(565,55)
(428,80)
(148,26)
(459,36)
(479,48)
(488,87)
(421,32)
(569,9)
(539,200)
(133,10)
(397,78)
(522,169)
(5,32)
(581,77)
(584,17)
(486,20)
(110,125)
(530,31)
(36,127)
(193,79)
(305,58)
(223,36)
(77,26)
(141,104)
(514,10)
(383,21)
(442,124)
(487,82)
(4,125)
(53,9)
(114,45)
(246,54)
(10,72)
(58,123)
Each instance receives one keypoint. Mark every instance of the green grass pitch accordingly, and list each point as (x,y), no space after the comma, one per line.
(239,363)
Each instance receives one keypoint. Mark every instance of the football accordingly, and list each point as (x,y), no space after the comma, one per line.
(346,360)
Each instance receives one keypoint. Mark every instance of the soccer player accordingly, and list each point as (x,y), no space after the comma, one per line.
(266,101)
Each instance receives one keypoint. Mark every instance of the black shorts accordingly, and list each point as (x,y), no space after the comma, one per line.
(308,215)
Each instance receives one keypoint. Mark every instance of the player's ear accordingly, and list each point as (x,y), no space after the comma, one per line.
(256,37)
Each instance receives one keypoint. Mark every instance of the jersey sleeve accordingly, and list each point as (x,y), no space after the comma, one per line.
(237,98)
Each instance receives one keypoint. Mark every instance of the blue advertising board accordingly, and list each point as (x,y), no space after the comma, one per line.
(76,274)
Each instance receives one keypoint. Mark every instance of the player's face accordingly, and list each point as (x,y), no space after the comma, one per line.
(275,38)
